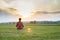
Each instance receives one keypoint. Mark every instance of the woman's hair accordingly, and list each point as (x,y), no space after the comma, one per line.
(19,18)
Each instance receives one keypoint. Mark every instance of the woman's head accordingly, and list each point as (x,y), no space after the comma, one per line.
(19,18)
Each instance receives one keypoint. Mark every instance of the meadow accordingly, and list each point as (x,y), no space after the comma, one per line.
(30,32)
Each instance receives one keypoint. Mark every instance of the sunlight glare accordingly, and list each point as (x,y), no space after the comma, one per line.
(25,9)
(28,29)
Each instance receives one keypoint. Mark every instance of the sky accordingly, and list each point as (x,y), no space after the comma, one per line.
(26,7)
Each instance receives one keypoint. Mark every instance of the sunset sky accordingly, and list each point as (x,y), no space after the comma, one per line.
(26,7)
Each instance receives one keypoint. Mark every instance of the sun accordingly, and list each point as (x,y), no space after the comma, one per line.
(25,13)
(25,8)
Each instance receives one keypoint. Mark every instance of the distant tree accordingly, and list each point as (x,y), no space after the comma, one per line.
(33,21)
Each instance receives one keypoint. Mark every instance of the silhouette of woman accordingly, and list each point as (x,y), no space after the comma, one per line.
(19,24)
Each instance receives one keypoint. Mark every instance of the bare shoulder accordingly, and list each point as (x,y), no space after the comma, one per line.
(21,22)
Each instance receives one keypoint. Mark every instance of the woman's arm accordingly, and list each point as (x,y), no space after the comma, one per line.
(16,24)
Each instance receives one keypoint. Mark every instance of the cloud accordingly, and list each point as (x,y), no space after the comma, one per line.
(50,5)
(8,1)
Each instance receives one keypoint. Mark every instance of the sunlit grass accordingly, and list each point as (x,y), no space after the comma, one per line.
(30,32)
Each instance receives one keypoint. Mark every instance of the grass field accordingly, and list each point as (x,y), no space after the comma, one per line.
(37,32)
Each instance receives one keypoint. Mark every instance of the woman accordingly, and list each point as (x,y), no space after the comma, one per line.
(19,24)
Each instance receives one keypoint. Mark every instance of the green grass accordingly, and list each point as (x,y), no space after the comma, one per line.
(38,32)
